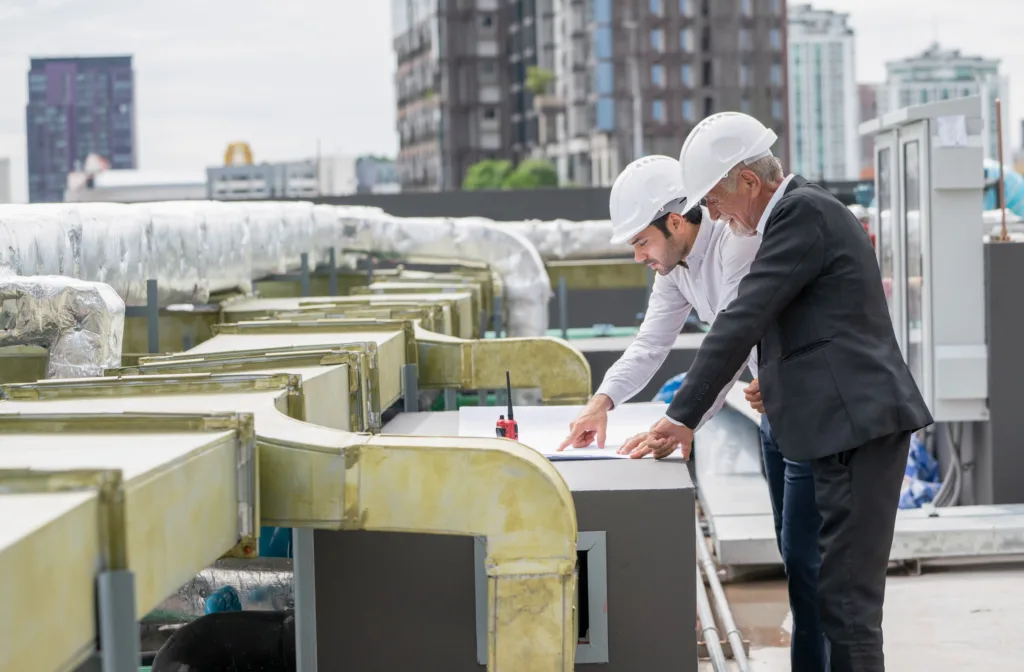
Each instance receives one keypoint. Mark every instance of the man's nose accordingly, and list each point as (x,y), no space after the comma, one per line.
(638,255)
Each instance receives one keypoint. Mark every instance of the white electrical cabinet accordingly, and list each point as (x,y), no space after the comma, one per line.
(929,178)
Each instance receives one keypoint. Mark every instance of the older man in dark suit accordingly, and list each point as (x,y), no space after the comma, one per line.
(832,379)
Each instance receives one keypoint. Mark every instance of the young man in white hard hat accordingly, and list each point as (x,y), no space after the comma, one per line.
(700,263)
(832,377)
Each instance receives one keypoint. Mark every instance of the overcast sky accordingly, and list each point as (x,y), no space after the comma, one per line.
(285,75)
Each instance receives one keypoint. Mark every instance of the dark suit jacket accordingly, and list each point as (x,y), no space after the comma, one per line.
(831,373)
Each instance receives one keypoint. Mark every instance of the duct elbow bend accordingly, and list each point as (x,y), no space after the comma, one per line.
(512,496)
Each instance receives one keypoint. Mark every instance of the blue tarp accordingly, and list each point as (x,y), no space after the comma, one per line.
(1013,186)
(668,389)
(921,480)
(275,542)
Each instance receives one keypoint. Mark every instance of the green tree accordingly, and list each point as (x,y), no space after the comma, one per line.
(539,80)
(532,174)
(488,174)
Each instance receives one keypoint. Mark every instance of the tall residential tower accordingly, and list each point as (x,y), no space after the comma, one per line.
(77,107)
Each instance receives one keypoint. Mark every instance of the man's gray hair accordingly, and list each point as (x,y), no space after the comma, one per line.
(767,168)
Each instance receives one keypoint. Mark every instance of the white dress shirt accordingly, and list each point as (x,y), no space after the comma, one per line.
(716,264)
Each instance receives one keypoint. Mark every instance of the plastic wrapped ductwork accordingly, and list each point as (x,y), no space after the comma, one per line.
(326,231)
(562,239)
(526,283)
(38,240)
(221,241)
(81,324)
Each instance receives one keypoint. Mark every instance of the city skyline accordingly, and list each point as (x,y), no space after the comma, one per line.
(192,101)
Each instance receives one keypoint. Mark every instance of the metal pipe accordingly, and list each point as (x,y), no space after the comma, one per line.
(732,633)
(1002,184)
(708,629)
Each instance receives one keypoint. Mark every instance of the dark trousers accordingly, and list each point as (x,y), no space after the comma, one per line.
(791,486)
(857,492)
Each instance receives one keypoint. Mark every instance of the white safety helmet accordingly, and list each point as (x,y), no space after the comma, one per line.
(716,145)
(646,190)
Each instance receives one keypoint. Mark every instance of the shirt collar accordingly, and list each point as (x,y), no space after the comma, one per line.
(701,243)
(776,197)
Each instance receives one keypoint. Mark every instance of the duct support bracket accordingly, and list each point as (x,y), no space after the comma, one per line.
(410,388)
(119,637)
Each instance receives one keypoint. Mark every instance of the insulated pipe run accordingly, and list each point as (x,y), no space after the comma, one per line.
(721,604)
(709,631)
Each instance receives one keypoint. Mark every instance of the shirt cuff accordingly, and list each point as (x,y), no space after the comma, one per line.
(674,422)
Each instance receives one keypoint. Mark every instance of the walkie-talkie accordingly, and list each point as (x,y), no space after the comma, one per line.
(508,429)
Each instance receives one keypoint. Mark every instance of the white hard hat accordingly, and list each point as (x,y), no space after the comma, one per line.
(646,190)
(716,145)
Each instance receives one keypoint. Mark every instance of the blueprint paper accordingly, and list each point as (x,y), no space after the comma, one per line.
(543,428)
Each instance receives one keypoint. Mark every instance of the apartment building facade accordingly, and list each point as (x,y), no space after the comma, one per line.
(464,92)
(451,88)
(77,107)
(940,74)
(823,97)
(634,76)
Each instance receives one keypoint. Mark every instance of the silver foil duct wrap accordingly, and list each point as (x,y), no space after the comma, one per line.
(262,584)
(561,239)
(526,282)
(197,248)
(81,324)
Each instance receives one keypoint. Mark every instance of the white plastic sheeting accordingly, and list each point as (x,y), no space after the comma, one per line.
(196,248)
(81,324)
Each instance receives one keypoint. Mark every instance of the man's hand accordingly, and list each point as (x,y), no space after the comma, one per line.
(661,441)
(590,424)
(753,394)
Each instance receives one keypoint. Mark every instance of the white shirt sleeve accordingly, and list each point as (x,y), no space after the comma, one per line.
(667,311)
(736,255)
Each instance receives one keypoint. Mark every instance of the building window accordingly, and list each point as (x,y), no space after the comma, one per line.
(603,11)
(744,75)
(687,109)
(686,75)
(776,74)
(658,110)
(775,38)
(657,8)
(745,105)
(776,6)
(709,106)
(606,114)
(684,8)
(604,78)
(486,20)
(707,73)
(746,8)
(686,39)
(658,40)
(490,113)
(745,41)
(603,43)
(776,108)
(658,75)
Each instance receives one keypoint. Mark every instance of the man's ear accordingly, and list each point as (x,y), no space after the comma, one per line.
(750,180)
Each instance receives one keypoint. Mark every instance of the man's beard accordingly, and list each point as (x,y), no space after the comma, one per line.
(741,230)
